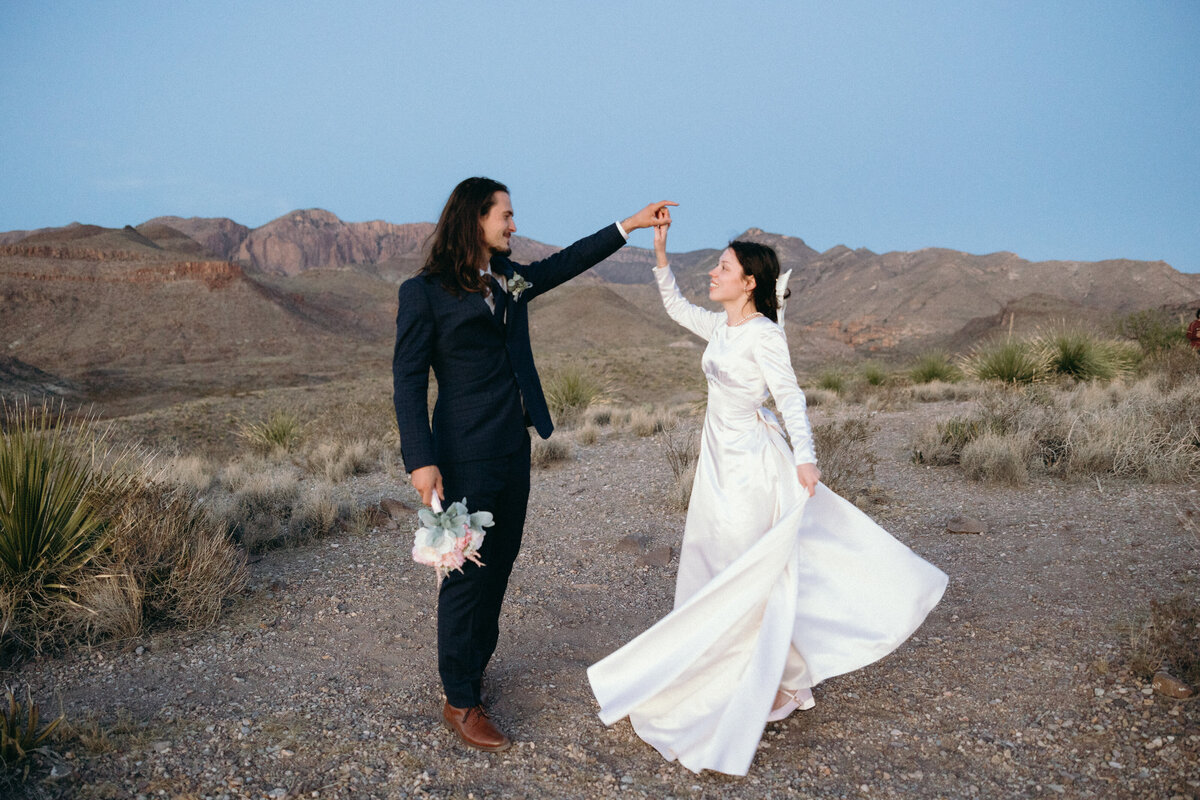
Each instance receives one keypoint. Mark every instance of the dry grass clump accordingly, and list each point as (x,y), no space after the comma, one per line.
(569,391)
(336,460)
(648,421)
(549,451)
(1134,431)
(167,563)
(259,503)
(282,430)
(833,380)
(997,458)
(588,434)
(934,366)
(1169,639)
(844,454)
(599,415)
(94,548)
(936,391)
(317,513)
(681,447)
(192,473)
(817,396)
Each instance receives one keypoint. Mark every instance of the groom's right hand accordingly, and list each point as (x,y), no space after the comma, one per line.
(427,480)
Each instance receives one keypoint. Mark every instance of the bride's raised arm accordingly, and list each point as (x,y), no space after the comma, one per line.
(699,321)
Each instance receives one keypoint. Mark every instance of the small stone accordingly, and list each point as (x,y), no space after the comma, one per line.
(633,543)
(139,650)
(1168,685)
(658,557)
(965,524)
(396,509)
(161,747)
(1154,743)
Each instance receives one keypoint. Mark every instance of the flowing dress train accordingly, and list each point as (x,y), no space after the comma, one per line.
(775,589)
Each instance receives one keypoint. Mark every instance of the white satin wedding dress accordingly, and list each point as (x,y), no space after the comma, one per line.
(775,589)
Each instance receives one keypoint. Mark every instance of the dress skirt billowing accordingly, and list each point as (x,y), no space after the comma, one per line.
(775,589)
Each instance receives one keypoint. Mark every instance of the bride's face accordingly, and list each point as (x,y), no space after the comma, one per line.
(726,281)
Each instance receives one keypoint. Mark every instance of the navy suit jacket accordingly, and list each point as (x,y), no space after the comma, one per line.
(483,365)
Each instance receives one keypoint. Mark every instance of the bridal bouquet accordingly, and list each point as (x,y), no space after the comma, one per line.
(448,539)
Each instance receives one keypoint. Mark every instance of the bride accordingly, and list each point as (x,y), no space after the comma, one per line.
(781,583)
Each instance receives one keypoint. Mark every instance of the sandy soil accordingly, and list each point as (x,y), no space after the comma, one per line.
(321,681)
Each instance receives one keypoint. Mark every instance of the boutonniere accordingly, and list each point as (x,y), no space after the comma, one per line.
(517,285)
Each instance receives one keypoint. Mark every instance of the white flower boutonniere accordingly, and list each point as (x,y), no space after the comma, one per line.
(517,285)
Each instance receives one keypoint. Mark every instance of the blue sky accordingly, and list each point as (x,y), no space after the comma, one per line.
(1056,130)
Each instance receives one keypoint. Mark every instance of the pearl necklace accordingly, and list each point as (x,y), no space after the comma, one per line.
(745,319)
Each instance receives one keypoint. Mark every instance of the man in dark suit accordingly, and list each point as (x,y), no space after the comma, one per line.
(465,314)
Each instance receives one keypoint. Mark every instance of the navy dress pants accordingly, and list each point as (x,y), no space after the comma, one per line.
(469,602)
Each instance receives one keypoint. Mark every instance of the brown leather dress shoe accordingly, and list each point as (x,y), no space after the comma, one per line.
(474,728)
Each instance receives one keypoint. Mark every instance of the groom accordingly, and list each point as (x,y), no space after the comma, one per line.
(465,314)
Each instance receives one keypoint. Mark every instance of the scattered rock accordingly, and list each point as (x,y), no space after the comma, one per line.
(965,524)
(396,509)
(161,747)
(633,543)
(1168,685)
(658,557)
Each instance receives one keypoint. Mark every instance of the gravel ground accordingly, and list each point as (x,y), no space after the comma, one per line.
(321,680)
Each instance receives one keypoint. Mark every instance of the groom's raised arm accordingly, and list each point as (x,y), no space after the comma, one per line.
(410,374)
(589,251)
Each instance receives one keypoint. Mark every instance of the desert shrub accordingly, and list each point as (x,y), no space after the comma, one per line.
(600,415)
(844,454)
(934,365)
(649,421)
(833,380)
(1154,330)
(317,513)
(681,448)
(817,396)
(336,460)
(1011,361)
(260,505)
(57,478)
(891,396)
(588,434)
(680,493)
(942,443)
(997,458)
(22,737)
(936,391)
(569,391)
(166,563)
(282,430)
(1172,366)
(1169,639)
(1081,355)
(874,374)
(192,473)
(549,451)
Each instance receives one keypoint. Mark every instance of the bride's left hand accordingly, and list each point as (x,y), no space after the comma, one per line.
(808,475)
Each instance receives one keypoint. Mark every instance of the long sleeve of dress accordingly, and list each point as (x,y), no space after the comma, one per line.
(699,321)
(776,364)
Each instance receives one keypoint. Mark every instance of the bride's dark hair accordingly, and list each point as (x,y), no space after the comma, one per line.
(760,262)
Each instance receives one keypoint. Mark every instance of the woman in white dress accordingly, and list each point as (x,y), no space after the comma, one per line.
(781,583)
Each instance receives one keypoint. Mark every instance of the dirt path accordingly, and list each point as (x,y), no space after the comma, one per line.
(321,681)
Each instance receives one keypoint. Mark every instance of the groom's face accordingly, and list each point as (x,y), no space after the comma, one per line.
(497,225)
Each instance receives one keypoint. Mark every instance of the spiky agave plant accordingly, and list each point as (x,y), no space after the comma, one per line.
(21,732)
(53,488)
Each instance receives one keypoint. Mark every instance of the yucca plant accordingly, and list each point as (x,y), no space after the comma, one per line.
(833,380)
(1009,362)
(934,365)
(21,732)
(1083,356)
(283,430)
(874,374)
(571,390)
(54,486)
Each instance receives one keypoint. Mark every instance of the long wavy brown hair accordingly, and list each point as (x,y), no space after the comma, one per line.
(457,247)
